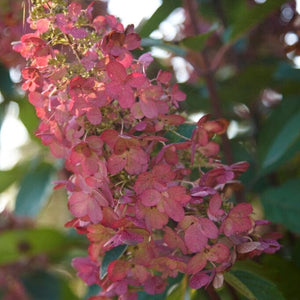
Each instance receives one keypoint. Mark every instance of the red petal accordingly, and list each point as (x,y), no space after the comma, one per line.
(150,197)
(173,209)
(116,163)
(94,115)
(196,263)
(208,228)
(218,253)
(116,71)
(199,280)
(194,239)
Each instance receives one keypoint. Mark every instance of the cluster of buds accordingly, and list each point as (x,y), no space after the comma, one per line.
(165,202)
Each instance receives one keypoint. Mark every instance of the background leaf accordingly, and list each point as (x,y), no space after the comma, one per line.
(250,17)
(159,15)
(260,287)
(41,285)
(34,190)
(279,138)
(8,177)
(239,286)
(281,204)
(25,243)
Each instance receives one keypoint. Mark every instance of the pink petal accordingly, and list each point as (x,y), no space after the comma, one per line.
(78,204)
(218,253)
(241,210)
(173,240)
(132,41)
(208,228)
(248,247)
(196,263)
(164,76)
(199,280)
(149,108)
(86,269)
(116,163)
(126,97)
(94,211)
(150,197)
(94,115)
(117,270)
(173,209)
(116,71)
(214,211)
(194,239)
(136,80)
(137,161)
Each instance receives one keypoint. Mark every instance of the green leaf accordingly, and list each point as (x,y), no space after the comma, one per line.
(238,285)
(279,137)
(110,256)
(285,139)
(233,89)
(25,243)
(178,291)
(8,177)
(6,85)
(184,130)
(287,71)
(92,290)
(145,296)
(159,15)
(41,285)
(281,204)
(284,273)
(249,18)
(197,42)
(34,190)
(28,116)
(149,42)
(259,287)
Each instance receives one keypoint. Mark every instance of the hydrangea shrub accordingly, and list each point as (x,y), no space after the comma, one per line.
(164,202)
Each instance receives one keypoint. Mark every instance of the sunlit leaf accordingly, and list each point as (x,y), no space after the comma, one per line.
(28,116)
(159,15)
(8,177)
(150,42)
(197,42)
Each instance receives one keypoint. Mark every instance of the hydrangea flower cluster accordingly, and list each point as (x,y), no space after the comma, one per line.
(129,184)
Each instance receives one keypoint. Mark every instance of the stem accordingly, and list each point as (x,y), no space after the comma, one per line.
(73,49)
(213,295)
(204,70)
(180,135)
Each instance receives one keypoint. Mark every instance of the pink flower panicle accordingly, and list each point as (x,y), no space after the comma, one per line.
(130,185)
